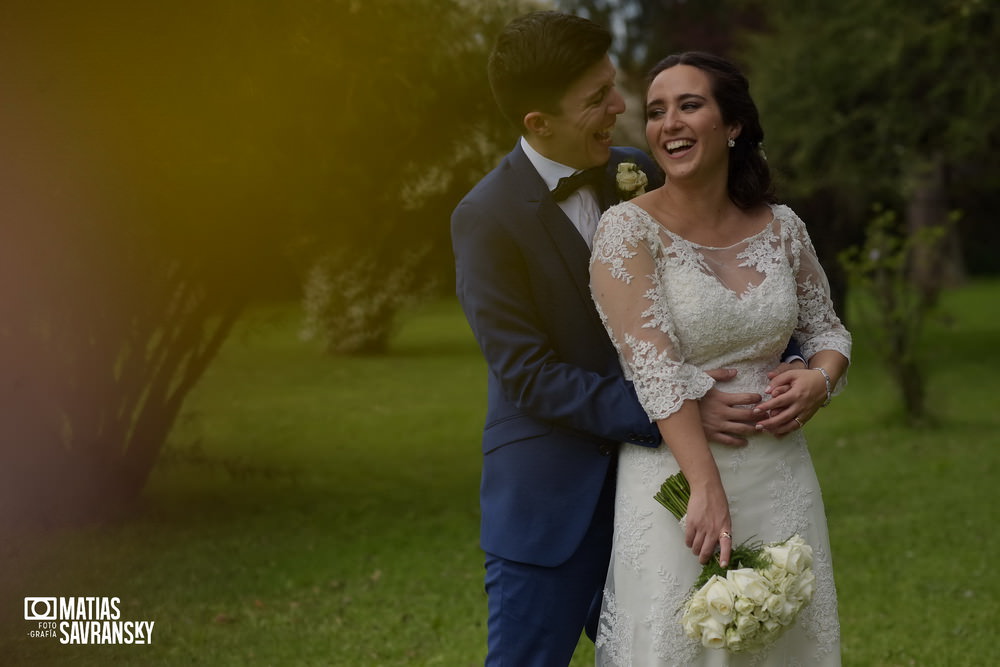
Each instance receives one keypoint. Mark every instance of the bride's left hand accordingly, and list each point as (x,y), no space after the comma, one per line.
(802,392)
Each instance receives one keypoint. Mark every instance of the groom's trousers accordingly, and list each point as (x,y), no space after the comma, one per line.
(536,614)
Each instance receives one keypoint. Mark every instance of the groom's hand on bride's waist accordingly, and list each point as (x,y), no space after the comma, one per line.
(728,417)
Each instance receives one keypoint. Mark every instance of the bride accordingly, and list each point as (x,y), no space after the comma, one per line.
(707,272)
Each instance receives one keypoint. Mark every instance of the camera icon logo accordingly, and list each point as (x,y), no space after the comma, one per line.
(40,609)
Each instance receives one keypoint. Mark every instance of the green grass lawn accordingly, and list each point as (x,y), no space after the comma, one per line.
(324,511)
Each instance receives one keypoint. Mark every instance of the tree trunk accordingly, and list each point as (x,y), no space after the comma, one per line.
(910,380)
(938,265)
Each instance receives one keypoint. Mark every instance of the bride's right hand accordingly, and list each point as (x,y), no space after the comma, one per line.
(708,523)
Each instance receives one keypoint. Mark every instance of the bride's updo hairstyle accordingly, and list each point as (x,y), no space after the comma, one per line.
(749,182)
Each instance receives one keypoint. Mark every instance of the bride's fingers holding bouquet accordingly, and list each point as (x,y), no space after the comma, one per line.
(708,525)
(705,543)
(725,546)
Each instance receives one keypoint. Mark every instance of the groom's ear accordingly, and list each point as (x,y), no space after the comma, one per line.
(537,123)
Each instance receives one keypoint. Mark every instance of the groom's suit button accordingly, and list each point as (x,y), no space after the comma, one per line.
(605,449)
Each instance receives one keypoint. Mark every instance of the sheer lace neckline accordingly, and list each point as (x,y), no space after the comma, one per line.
(677,237)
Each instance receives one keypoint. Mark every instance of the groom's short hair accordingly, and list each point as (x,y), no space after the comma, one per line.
(538,56)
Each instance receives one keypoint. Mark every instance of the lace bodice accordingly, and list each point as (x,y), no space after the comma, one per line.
(674,308)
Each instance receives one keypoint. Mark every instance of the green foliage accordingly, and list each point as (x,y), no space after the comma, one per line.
(363,550)
(891,307)
(880,101)
(352,302)
(161,161)
(855,93)
(745,555)
(648,30)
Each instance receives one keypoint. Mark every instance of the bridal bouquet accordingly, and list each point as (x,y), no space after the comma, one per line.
(751,603)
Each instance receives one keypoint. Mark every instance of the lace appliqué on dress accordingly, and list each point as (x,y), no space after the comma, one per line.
(631,525)
(618,244)
(670,644)
(819,619)
(614,637)
(790,503)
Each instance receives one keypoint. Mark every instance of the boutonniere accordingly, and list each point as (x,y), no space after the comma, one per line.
(631,180)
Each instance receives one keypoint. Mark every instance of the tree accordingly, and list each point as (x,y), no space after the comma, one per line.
(648,30)
(879,100)
(882,102)
(880,275)
(159,162)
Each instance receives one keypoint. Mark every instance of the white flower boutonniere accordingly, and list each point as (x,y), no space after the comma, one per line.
(631,180)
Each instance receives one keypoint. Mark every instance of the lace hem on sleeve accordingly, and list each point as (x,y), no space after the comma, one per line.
(662,383)
(818,326)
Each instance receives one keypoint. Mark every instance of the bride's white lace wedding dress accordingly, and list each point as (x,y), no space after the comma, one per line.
(675,309)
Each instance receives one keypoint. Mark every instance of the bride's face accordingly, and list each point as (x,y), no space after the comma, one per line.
(684,125)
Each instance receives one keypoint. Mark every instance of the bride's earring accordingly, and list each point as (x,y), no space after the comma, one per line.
(731,142)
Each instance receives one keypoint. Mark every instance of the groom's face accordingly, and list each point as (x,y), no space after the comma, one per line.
(580,135)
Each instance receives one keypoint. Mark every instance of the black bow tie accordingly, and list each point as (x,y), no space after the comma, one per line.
(570,184)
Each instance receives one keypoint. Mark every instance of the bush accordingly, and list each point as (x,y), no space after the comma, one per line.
(351,301)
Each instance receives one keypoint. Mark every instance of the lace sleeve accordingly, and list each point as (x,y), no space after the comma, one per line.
(627,288)
(818,326)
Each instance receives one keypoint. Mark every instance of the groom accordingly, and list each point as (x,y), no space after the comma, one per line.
(557,403)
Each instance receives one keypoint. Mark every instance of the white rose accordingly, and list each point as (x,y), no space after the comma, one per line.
(692,627)
(805,551)
(746,626)
(796,540)
(713,634)
(697,607)
(760,613)
(734,642)
(773,572)
(744,606)
(804,585)
(749,584)
(773,604)
(779,557)
(720,599)
(793,555)
(787,612)
(784,584)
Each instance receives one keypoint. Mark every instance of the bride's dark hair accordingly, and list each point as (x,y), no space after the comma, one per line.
(749,183)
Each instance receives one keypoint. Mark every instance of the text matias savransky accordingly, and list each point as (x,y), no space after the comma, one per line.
(85,620)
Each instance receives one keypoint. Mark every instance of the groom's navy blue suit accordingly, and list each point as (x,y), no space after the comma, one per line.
(558,403)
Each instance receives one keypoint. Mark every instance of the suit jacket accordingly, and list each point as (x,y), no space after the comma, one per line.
(557,403)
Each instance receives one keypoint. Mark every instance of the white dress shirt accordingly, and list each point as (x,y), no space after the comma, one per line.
(581,207)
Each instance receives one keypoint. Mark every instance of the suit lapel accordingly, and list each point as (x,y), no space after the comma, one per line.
(571,247)
(569,244)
